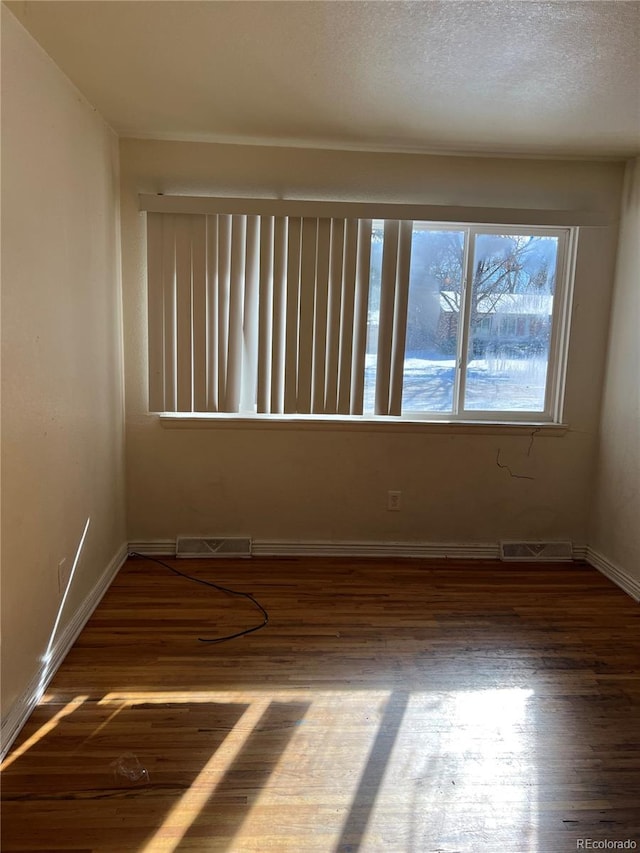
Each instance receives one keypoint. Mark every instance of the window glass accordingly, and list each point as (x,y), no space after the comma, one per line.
(373,319)
(510,317)
(435,299)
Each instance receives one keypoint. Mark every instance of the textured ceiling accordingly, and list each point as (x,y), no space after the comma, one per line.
(549,78)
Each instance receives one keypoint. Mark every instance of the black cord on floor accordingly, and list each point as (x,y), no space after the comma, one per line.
(248,595)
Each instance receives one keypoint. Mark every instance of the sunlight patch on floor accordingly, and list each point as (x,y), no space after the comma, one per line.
(43,731)
(179,819)
(384,768)
(462,759)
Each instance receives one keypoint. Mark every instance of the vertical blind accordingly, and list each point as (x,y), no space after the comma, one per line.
(269,314)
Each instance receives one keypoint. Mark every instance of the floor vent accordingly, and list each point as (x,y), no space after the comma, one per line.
(192,546)
(549,551)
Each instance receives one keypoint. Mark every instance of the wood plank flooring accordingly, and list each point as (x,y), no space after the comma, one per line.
(389,705)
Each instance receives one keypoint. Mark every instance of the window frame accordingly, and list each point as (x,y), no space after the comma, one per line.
(560,327)
(561,224)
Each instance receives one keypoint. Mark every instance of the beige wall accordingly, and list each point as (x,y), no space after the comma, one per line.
(62,406)
(330,484)
(616,517)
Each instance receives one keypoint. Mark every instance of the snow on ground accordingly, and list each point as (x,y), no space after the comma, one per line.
(493,384)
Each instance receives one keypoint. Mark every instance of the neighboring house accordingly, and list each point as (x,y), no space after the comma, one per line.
(519,321)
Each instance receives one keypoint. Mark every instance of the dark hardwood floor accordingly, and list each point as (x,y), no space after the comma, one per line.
(388,706)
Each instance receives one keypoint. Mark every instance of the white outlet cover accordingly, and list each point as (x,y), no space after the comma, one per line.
(394,501)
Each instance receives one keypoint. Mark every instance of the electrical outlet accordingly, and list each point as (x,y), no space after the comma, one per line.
(394,501)
(64,573)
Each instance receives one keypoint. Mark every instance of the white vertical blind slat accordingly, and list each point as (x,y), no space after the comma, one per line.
(199,279)
(280,240)
(212,313)
(320,319)
(387,303)
(155,303)
(265,319)
(169,312)
(400,317)
(224,286)
(361,309)
(292,310)
(307,294)
(184,326)
(334,306)
(347,313)
(236,311)
(249,379)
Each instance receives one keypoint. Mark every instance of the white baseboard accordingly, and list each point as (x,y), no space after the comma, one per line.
(302,548)
(154,547)
(579,552)
(22,708)
(615,573)
(328,548)
(425,550)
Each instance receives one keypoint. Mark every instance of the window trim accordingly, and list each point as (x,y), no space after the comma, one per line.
(563,225)
(440,213)
(355,423)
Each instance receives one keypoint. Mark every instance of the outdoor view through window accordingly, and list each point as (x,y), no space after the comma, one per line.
(499,331)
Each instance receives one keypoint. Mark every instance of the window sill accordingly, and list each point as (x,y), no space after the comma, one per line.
(357,424)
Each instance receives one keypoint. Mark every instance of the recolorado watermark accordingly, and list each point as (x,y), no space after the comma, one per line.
(605,844)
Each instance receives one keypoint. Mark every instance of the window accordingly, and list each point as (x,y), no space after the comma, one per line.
(353,316)
(483,349)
